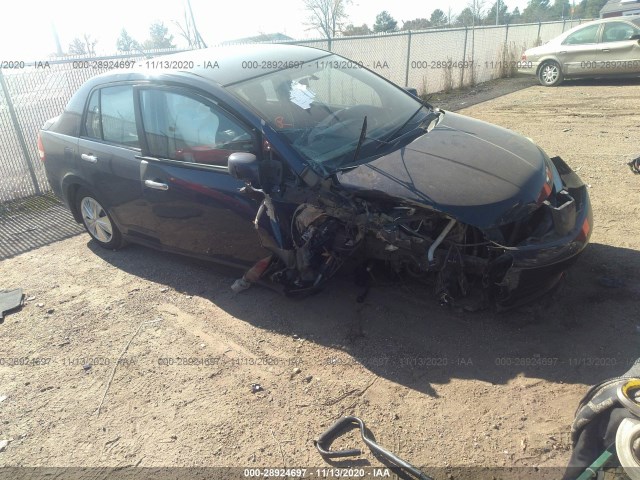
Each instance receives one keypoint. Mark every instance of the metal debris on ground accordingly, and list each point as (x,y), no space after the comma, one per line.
(323,443)
(252,275)
(10,300)
(240,285)
(256,387)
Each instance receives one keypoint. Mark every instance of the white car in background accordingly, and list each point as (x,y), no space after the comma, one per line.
(609,46)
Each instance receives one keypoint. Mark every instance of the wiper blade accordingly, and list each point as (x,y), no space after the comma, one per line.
(395,132)
(345,168)
(363,134)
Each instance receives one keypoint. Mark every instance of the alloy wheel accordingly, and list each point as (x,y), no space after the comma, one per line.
(96,220)
(550,73)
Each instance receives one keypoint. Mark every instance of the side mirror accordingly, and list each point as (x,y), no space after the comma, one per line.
(635,37)
(412,91)
(244,166)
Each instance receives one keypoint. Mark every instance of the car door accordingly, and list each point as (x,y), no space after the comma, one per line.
(619,52)
(578,52)
(193,204)
(109,148)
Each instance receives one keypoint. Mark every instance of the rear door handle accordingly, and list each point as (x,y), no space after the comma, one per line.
(89,158)
(156,185)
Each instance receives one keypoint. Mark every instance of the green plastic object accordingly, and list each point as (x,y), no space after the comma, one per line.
(601,461)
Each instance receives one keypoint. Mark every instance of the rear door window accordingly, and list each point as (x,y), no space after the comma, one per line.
(617,32)
(92,123)
(111,116)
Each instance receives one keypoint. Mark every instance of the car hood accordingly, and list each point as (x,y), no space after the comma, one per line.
(481,174)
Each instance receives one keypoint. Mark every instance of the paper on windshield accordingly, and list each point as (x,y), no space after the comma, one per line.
(301,95)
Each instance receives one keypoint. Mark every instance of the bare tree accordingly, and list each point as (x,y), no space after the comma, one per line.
(477,10)
(326,16)
(189,30)
(84,46)
(91,44)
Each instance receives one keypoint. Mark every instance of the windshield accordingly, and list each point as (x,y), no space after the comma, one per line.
(320,106)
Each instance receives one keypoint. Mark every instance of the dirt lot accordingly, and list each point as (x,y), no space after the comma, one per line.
(442,389)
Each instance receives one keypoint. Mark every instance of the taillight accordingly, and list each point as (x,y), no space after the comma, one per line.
(524,57)
(41,148)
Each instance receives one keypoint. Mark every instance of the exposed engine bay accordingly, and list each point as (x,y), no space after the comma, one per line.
(494,251)
(333,228)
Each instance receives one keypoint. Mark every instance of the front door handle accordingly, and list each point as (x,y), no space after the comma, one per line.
(89,158)
(156,185)
(606,50)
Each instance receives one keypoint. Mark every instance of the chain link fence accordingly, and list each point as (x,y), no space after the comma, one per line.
(444,59)
(29,97)
(430,61)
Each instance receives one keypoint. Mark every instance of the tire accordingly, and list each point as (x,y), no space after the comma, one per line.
(97,221)
(550,74)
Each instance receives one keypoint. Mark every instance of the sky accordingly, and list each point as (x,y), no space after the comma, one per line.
(26,32)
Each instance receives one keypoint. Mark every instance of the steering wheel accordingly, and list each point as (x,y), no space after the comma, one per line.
(347,119)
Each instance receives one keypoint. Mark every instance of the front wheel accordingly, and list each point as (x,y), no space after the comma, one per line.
(97,221)
(550,74)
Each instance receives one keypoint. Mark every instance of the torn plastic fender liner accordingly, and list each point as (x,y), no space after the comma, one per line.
(268,208)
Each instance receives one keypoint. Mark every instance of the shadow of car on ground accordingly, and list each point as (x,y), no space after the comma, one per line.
(601,82)
(582,333)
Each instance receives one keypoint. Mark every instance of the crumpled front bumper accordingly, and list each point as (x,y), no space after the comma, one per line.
(536,269)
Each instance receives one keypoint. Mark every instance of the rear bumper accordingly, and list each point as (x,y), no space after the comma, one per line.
(536,269)
(528,68)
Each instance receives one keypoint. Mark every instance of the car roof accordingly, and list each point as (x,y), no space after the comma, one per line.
(231,64)
(627,18)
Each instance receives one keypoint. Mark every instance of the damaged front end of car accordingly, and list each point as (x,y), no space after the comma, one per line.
(470,259)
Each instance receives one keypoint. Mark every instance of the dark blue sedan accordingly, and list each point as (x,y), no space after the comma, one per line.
(294,163)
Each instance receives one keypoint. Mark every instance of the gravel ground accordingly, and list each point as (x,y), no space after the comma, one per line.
(142,358)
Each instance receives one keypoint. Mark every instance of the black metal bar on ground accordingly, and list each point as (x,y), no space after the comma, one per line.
(23,143)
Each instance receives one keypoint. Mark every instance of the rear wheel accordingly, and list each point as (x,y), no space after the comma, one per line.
(550,74)
(97,221)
